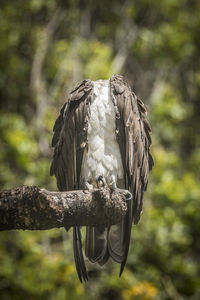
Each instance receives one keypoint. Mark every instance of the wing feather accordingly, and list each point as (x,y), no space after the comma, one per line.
(135,153)
(70,137)
(69,142)
(133,136)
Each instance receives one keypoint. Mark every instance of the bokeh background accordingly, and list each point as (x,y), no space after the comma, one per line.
(46,47)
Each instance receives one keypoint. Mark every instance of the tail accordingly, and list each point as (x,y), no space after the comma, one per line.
(119,241)
(78,255)
(112,242)
(101,244)
(96,248)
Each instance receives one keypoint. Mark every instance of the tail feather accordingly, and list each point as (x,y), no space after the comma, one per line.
(119,238)
(112,242)
(104,258)
(116,245)
(127,234)
(78,255)
(96,245)
(100,245)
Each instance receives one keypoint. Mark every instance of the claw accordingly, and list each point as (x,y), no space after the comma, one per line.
(100,181)
(126,193)
(130,196)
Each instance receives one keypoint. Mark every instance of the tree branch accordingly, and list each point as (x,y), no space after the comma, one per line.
(33,208)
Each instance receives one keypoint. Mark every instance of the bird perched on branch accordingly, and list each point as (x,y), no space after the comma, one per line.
(103,137)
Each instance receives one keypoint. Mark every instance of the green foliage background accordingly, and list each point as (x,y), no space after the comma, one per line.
(45,48)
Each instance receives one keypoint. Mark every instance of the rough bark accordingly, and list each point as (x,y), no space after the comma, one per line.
(32,208)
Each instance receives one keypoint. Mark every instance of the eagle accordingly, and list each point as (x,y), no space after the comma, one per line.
(102,136)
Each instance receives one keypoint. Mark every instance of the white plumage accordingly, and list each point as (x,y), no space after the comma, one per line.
(103,156)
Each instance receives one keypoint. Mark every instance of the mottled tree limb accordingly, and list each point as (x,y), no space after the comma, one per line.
(32,208)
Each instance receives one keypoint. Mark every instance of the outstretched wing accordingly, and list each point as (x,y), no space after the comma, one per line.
(70,137)
(133,136)
(69,142)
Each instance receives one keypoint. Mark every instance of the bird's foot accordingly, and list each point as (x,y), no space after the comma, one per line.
(100,181)
(126,193)
(87,186)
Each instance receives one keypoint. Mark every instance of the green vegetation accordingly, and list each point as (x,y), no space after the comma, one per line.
(45,48)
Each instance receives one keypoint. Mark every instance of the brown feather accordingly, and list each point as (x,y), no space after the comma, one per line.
(133,137)
(136,136)
(70,133)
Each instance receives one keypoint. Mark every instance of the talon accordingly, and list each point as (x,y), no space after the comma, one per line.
(100,181)
(130,196)
(126,193)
